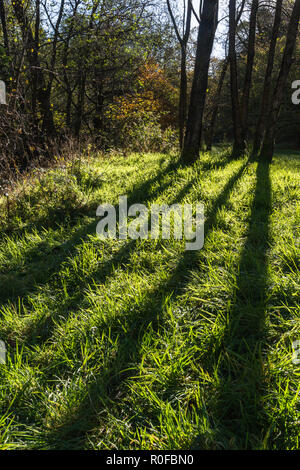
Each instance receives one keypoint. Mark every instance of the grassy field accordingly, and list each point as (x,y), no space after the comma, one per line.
(141,344)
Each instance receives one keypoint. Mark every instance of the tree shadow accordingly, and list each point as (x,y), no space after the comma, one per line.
(105,387)
(44,261)
(40,331)
(239,414)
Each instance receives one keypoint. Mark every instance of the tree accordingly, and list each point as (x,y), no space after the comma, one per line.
(183,41)
(239,143)
(38,78)
(249,68)
(4,28)
(264,109)
(205,40)
(240,106)
(267,149)
(217,97)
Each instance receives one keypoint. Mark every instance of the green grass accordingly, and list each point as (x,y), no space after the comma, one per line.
(141,344)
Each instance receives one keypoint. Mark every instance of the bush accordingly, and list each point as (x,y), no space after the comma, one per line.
(48,197)
(143,133)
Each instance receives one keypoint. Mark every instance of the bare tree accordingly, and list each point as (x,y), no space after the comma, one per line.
(38,76)
(217,98)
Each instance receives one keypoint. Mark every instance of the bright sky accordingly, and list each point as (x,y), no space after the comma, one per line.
(218,48)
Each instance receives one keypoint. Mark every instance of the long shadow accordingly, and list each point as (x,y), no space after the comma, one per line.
(239,414)
(41,331)
(105,387)
(43,261)
(37,273)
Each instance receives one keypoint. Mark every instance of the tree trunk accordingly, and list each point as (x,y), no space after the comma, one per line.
(210,133)
(265,103)
(64,67)
(249,69)
(183,97)
(33,59)
(211,128)
(182,114)
(4,27)
(239,143)
(80,105)
(206,35)
(267,150)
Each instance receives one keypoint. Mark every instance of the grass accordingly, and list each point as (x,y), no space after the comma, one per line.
(141,344)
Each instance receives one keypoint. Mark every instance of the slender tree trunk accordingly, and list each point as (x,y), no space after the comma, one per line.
(4,27)
(68,108)
(33,59)
(183,97)
(182,114)
(249,68)
(206,35)
(217,98)
(264,110)
(48,122)
(98,119)
(267,150)
(211,128)
(64,66)
(80,105)
(239,143)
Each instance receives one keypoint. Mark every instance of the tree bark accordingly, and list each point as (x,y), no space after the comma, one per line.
(64,66)
(211,128)
(239,143)
(4,27)
(249,68)
(264,110)
(183,97)
(215,110)
(80,105)
(267,149)
(33,59)
(182,114)
(206,35)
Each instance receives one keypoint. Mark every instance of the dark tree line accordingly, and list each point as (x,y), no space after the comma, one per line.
(271,97)
(65,64)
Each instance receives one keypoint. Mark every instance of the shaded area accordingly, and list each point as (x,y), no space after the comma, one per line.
(239,415)
(105,387)
(40,331)
(44,261)
(43,265)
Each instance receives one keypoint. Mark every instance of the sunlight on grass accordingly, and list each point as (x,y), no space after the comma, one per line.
(139,344)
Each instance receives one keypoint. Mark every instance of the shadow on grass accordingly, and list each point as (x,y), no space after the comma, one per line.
(105,387)
(239,414)
(42,261)
(42,266)
(39,332)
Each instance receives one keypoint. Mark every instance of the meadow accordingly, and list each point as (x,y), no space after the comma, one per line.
(139,344)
